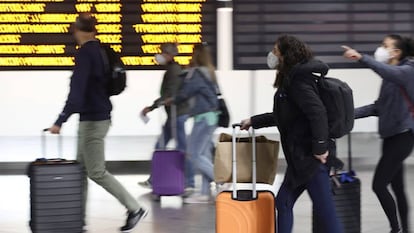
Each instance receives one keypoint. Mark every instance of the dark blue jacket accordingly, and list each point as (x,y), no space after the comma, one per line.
(391,107)
(200,90)
(88,94)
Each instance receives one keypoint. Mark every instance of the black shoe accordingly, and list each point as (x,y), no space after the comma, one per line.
(133,219)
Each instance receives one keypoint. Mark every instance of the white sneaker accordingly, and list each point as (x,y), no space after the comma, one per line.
(188,192)
(197,199)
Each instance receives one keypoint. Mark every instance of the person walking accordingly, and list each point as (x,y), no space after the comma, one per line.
(89,96)
(200,86)
(301,118)
(169,87)
(395,110)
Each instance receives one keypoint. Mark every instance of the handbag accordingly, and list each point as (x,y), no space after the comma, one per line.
(224,115)
(267,150)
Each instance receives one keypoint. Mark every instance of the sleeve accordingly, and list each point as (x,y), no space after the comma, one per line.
(263,120)
(392,73)
(366,111)
(171,83)
(304,93)
(78,85)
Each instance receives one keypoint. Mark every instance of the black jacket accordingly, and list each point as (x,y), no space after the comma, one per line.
(88,94)
(302,120)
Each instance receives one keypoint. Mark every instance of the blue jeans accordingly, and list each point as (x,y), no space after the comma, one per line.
(320,192)
(181,141)
(200,146)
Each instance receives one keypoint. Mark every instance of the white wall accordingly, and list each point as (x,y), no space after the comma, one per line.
(31,100)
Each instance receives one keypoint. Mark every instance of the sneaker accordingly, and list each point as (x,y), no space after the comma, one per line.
(197,199)
(145,184)
(133,219)
(156,197)
(189,191)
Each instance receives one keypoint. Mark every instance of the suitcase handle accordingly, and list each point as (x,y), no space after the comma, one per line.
(60,144)
(173,127)
(234,162)
(350,165)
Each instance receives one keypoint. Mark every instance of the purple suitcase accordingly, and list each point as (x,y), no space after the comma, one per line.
(168,167)
(168,173)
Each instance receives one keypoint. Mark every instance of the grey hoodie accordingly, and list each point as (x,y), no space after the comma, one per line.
(391,107)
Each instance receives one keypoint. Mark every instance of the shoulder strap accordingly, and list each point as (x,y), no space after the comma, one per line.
(407,99)
(190,73)
(218,90)
(105,59)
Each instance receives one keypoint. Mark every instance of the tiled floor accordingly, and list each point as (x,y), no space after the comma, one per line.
(169,216)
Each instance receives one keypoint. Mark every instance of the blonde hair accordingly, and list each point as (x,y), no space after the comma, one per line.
(202,57)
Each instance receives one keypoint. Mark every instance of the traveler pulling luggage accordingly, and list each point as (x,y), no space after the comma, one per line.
(346,189)
(245,211)
(55,193)
(167,171)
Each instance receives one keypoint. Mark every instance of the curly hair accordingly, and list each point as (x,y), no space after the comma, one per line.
(293,51)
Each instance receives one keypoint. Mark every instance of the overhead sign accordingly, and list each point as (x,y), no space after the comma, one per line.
(37,34)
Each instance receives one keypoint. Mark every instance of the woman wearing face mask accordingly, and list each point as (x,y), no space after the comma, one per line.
(302,121)
(394,108)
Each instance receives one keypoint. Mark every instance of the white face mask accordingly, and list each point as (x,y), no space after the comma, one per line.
(272,60)
(160,59)
(382,55)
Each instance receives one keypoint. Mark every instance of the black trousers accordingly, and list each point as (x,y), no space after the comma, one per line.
(390,170)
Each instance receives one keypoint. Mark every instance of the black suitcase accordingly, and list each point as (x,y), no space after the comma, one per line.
(55,194)
(346,188)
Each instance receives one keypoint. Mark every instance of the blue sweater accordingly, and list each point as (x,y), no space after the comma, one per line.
(88,94)
(391,107)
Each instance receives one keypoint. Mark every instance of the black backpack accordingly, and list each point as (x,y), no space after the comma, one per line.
(114,70)
(339,103)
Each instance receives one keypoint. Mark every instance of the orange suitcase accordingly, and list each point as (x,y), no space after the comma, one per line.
(245,211)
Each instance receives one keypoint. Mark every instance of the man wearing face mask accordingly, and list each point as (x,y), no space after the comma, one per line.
(171,83)
(395,110)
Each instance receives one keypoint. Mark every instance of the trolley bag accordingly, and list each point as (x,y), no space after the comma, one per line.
(245,211)
(56,193)
(346,188)
(167,168)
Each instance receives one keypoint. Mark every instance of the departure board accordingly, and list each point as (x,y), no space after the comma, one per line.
(36,34)
(324,25)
